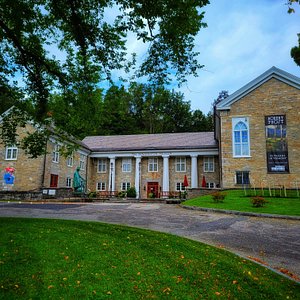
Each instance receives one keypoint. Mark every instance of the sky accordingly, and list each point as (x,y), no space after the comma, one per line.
(243,40)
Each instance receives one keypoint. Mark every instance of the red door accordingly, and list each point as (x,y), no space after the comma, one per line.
(152,190)
(53,180)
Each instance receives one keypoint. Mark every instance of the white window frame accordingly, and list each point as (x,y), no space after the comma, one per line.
(70,160)
(103,163)
(179,187)
(55,154)
(244,146)
(101,186)
(180,164)
(11,153)
(210,185)
(82,161)
(125,186)
(126,165)
(153,164)
(69,182)
(208,164)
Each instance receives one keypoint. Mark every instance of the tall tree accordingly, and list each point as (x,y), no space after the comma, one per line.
(90,37)
(295,51)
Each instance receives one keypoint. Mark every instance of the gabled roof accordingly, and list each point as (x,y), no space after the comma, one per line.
(144,142)
(271,73)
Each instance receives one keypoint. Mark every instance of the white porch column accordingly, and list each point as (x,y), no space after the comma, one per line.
(194,172)
(137,175)
(112,174)
(165,182)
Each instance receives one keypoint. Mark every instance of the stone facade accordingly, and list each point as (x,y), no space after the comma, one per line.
(271,98)
(222,162)
(34,174)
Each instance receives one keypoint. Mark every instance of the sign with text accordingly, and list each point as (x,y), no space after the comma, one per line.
(276,140)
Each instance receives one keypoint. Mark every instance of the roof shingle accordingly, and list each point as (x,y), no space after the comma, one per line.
(163,141)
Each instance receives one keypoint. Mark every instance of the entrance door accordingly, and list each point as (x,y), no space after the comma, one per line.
(152,190)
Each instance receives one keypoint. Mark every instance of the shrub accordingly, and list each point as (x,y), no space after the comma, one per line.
(122,194)
(218,197)
(131,192)
(92,194)
(258,201)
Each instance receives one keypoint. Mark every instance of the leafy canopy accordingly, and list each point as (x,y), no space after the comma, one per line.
(69,46)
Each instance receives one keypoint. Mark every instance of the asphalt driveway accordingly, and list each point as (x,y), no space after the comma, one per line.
(273,241)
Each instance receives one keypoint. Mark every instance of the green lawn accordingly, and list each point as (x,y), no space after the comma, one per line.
(236,200)
(56,259)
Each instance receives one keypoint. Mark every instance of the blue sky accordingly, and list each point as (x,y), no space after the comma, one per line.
(243,39)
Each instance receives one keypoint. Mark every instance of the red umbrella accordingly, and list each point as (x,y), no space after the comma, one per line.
(203,181)
(185,181)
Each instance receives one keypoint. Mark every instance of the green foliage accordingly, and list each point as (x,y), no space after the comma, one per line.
(122,194)
(131,192)
(218,197)
(258,201)
(51,259)
(295,52)
(90,42)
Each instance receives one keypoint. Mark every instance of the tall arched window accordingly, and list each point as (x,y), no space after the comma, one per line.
(241,145)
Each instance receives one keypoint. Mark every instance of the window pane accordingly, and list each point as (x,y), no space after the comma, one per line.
(237,149)
(237,137)
(244,136)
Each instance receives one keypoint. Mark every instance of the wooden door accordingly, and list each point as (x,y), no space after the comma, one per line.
(152,190)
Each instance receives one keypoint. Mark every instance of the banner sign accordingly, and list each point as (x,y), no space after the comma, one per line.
(277,148)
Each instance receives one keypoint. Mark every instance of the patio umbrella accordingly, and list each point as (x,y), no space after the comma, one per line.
(203,181)
(185,181)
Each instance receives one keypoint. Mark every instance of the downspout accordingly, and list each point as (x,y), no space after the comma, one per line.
(44,167)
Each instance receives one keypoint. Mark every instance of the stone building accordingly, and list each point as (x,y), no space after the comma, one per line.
(258,129)
(256,142)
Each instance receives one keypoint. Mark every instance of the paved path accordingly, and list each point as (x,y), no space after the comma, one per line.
(274,241)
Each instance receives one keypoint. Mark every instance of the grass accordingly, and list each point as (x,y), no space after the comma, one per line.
(236,200)
(56,259)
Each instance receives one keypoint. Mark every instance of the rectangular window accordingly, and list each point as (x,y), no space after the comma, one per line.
(209,164)
(69,182)
(101,186)
(240,137)
(82,160)
(55,154)
(53,180)
(125,186)
(180,186)
(126,164)
(153,164)
(242,177)
(180,163)
(102,165)
(11,153)
(70,161)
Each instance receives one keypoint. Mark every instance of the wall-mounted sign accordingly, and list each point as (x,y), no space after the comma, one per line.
(9,177)
(276,141)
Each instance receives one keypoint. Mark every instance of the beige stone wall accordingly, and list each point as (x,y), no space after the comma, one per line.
(146,177)
(272,98)
(27,170)
(61,168)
